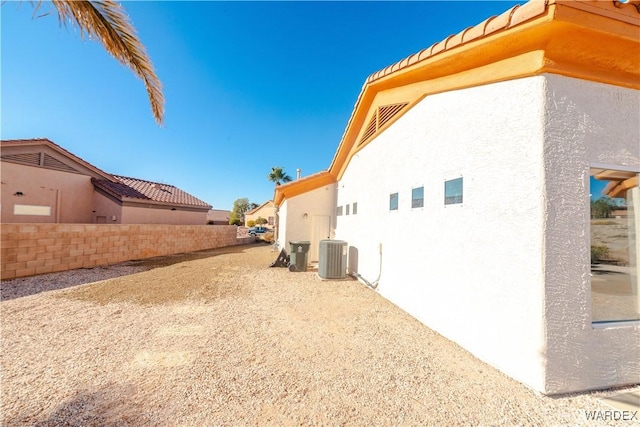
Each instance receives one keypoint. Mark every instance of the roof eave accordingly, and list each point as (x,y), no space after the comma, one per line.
(55,147)
(532,46)
(303,185)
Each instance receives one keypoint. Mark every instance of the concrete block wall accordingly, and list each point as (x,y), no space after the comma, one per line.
(30,249)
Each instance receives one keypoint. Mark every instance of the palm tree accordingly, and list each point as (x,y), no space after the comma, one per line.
(106,21)
(277,175)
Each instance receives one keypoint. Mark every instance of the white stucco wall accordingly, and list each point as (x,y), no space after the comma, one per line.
(472,272)
(506,273)
(588,124)
(293,225)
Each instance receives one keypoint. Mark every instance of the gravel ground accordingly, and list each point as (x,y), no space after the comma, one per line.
(218,338)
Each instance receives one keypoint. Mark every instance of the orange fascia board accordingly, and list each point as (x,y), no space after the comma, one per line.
(587,41)
(303,185)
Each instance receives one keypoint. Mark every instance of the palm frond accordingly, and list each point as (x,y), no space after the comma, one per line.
(106,21)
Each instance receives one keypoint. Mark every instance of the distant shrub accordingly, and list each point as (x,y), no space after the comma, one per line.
(599,253)
(251,223)
(261,221)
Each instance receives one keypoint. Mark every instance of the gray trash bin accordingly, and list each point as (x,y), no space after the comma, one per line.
(298,255)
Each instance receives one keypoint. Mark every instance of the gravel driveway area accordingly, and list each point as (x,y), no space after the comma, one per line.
(219,338)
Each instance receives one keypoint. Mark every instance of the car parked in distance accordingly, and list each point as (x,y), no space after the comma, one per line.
(257,230)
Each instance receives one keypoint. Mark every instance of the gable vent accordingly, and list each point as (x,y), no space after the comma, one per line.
(371,129)
(382,116)
(26,158)
(53,163)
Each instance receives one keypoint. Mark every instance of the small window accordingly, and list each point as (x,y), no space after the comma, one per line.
(271,220)
(453,191)
(393,202)
(417,197)
(346,209)
(339,211)
(355,208)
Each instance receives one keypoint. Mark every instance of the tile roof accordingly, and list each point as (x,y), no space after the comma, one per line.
(134,188)
(510,18)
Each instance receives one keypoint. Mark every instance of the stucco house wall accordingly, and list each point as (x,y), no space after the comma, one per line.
(106,210)
(605,131)
(266,210)
(318,205)
(67,194)
(218,217)
(506,273)
(161,215)
(471,271)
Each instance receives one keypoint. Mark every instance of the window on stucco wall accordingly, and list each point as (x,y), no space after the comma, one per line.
(417,197)
(339,211)
(346,209)
(393,202)
(271,220)
(614,205)
(453,191)
(355,208)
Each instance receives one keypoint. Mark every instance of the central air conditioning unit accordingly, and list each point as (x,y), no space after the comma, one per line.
(332,263)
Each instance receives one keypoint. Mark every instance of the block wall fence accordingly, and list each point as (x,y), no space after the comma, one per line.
(30,249)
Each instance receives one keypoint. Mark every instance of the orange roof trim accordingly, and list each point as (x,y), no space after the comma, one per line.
(303,185)
(514,16)
(590,40)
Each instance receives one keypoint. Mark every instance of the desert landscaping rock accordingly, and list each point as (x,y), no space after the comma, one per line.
(218,338)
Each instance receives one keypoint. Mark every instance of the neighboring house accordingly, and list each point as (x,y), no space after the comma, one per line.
(462,186)
(218,217)
(267,210)
(44,183)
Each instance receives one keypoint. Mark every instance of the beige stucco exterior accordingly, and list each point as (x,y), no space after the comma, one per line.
(43,183)
(68,195)
(267,211)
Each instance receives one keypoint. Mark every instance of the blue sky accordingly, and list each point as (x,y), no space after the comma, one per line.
(248,85)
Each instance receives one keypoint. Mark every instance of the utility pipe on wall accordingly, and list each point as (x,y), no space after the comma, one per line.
(375,283)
